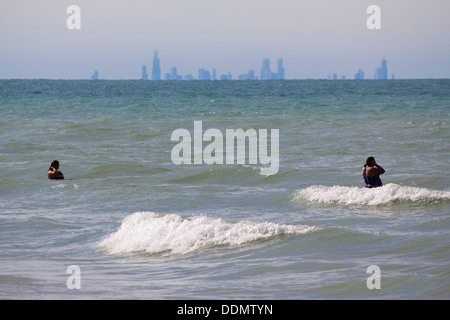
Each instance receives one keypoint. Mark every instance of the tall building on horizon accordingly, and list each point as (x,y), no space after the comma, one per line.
(359,75)
(267,74)
(156,70)
(144,73)
(204,74)
(382,72)
(280,71)
(95,75)
(173,75)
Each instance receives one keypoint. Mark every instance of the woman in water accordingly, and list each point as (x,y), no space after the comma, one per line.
(371,173)
(53,172)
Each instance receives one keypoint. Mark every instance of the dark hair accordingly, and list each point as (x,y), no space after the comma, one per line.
(54,162)
(369,160)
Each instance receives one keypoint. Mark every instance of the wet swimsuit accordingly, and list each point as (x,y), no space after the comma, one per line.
(372,182)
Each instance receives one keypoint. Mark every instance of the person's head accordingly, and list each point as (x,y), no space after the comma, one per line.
(370,162)
(54,164)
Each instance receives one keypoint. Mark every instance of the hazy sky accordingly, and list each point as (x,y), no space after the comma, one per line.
(316,38)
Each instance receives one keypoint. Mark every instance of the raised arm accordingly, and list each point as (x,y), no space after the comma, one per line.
(380,169)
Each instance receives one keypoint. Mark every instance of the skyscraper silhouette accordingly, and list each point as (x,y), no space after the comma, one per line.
(156,70)
(266,73)
(280,74)
(173,75)
(144,73)
(381,73)
(359,75)
(384,72)
(204,74)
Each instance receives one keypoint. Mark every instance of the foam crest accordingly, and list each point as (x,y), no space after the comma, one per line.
(363,196)
(152,233)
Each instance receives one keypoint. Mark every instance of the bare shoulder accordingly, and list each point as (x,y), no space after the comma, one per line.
(55,175)
(373,171)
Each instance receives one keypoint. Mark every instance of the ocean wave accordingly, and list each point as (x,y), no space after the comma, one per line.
(220,174)
(152,233)
(362,196)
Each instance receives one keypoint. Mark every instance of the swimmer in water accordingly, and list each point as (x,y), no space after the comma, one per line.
(371,173)
(53,172)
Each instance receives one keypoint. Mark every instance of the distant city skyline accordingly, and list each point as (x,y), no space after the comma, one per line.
(381,73)
(316,39)
(203,74)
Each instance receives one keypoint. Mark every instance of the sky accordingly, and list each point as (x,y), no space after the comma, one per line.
(315,38)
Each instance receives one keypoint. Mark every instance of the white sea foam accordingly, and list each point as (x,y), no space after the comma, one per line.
(363,196)
(152,233)
(61,185)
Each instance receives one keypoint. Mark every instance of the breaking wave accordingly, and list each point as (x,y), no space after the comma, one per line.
(362,196)
(152,233)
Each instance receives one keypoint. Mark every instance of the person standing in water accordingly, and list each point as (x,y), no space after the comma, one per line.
(53,172)
(371,173)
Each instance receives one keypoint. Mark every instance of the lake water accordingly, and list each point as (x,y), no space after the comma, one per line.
(138,226)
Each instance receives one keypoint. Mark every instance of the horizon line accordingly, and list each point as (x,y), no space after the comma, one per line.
(217,80)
